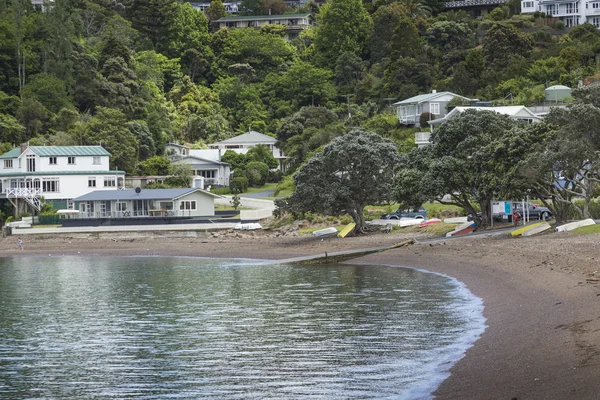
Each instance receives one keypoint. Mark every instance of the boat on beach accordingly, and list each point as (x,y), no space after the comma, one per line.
(536,229)
(574,225)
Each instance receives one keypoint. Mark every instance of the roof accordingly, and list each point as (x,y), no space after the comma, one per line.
(427,97)
(511,111)
(201,159)
(177,145)
(251,137)
(145,194)
(59,151)
(55,173)
(558,87)
(262,17)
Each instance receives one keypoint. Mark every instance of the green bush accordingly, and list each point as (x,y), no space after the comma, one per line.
(286,184)
(221,190)
(257,173)
(238,185)
(274,176)
(594,208)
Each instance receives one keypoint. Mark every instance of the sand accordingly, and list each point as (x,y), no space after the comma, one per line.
(541,297)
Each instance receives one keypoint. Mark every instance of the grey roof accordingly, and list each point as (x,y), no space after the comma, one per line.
(145,194)
(201,159)
(249,138)
(59,151)
(426,97)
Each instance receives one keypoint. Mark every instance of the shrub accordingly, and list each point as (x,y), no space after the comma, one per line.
(274,176)
(286,184)
(221,190)
(257,173)
(424,119)
(238,185)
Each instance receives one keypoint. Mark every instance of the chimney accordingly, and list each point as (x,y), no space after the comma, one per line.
(434,91)
(24,147)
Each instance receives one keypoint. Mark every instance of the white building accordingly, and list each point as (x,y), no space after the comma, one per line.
(518,113)
(294,23)
(572,13)
(214,172)
(242,143)
(57,173)
(177,202)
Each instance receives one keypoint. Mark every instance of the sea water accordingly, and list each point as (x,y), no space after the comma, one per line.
(184,328)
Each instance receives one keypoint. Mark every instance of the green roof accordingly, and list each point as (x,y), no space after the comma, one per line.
(52,173)
(262,17)
(14,153)
(60,151)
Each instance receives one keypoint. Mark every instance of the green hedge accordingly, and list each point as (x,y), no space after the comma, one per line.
(238,185)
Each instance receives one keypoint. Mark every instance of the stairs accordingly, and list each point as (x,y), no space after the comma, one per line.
(31,196)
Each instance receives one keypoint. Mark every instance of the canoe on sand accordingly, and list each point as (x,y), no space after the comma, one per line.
(519,232)
(574,225)
(536,230)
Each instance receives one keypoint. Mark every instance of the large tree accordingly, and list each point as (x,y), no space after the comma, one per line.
(352,171)
(344,27)
(472,160)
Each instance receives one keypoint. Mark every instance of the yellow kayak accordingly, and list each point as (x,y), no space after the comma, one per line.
(349,228)
(519,232)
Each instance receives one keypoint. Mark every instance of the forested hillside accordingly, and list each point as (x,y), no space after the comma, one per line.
(136,74)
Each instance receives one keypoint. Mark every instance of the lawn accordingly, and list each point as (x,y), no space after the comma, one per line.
(587,230)
(268,186)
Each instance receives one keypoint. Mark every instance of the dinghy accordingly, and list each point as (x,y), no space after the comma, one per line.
(574,225)
(430,222)
(325,232)
(537,229)
(520,231)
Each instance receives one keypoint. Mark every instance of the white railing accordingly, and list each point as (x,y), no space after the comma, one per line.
(23,192)
(131,214)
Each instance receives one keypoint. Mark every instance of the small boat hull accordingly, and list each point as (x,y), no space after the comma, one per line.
(520,231)
(536,230)
(430,222)
(463,229)
(325,232)
(574,225)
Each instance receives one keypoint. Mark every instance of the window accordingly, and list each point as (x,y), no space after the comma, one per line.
(50,185)
(166,205)
(110,181)
(572,8)
(121,206)
(52,160)
(31,163)
(8,163)
(70,160)
(528,4)
(208,174)
(551,9)
(92,181)
(595,6)
(596,22)
(97,160)
(187,205)
(434,108)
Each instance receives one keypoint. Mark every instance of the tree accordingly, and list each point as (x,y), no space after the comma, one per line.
(352,171)
(262,153)
(503,41)
(48,90)
(272,7)
(108,128)
(344,27)
(181,175)
(156,165)
(472,160)
(216,10)
(235,160)
(250,7)
(11,131)
(257,173)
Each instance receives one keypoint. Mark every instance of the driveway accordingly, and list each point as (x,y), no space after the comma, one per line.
(267,194)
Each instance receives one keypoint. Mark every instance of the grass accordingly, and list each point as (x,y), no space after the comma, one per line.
(227,207)
(587,230)
(268,186)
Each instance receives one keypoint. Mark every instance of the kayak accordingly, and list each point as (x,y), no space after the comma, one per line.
(430,222)
(519,232)
(536,229)
(574,225)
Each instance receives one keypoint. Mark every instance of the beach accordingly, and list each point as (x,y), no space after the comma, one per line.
(541,295)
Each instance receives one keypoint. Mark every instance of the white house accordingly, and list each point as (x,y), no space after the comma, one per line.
(409,111)
(58,173)
(214,172)
(477,8)
(242,143)
(294,23)
(180,202)
(518,113)
(572,13)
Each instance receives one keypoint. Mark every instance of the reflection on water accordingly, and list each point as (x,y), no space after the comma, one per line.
(155,328)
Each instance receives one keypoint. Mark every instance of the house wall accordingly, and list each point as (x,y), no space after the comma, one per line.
(42,164)
(222,172)
(69,186)
(205,204)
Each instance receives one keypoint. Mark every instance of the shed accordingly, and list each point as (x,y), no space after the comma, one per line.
(557,93)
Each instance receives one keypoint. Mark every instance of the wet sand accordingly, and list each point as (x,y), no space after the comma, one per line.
(541,297)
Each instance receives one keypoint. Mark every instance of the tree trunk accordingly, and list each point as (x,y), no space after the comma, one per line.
(359,219)
(561,211)
(484,221)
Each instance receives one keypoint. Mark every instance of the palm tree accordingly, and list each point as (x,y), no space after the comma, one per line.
(416,8)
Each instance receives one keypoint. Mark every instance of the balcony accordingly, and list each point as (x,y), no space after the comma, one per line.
(422,138)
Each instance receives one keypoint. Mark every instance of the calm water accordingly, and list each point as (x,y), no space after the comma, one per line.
(176,328)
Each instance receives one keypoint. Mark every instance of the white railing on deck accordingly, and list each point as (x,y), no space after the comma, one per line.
(23,192)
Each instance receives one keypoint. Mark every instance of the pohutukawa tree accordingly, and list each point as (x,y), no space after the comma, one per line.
(352,171)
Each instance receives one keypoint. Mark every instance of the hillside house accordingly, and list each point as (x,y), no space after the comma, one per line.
(215,172)
(571,13)
(294,23)
(242,143)
(409,111)
(477,8)
(57,173)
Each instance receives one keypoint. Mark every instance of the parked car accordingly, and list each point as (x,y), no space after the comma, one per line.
(419,213)
(535,211)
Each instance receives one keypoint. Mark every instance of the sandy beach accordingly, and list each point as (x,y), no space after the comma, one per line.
(541,296)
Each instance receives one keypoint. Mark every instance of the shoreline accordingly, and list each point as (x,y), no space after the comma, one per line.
(540,297)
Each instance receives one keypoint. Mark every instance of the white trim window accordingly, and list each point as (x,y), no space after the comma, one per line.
(8,164)
(187,205)
(434,108)
(110,181)
(71,160)
(92,181)
(96,160)
(596,21)
(52,161)
(50,185)
(121,206)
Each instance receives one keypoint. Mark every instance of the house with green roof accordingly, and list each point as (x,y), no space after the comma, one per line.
(57,173)
(294,23)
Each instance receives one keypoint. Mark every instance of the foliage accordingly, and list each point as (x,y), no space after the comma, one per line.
(257,173)
(181,175)
(238,184)
(352,171)
(156,165)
